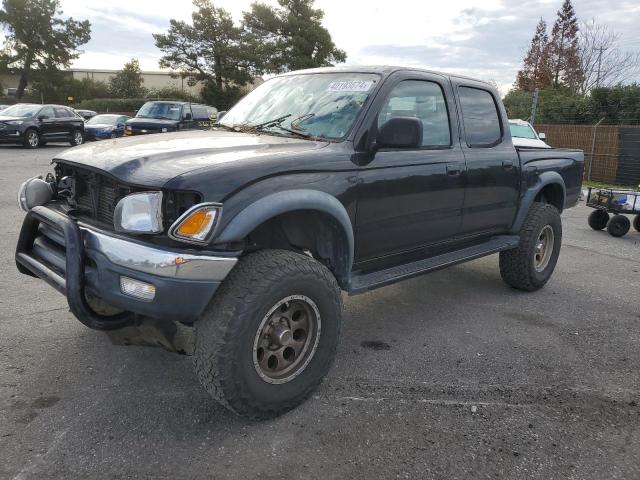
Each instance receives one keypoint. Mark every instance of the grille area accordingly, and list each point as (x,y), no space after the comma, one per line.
(94,195)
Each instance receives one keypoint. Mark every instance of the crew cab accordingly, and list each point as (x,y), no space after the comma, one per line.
(169,116)
(234,244)
(33,125)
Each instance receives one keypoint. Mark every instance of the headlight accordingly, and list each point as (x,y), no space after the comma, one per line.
(139,213)
(15,122)
(34,192)
(197,224)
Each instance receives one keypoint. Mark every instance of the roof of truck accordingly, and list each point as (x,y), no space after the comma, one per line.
(384,70)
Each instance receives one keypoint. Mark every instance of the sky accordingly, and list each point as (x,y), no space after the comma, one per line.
(484,39)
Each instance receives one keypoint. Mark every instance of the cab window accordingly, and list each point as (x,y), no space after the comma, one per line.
(480,116)
(422,100)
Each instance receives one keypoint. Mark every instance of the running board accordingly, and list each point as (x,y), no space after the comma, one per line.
(360,283)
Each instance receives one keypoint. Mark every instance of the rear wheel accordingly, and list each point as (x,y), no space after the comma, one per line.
(31,139)
(618,226)
(77,138)
(636,223)
(530,265)
(598,219)
(269,336)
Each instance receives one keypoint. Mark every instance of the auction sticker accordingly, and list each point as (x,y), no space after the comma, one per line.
(350,86)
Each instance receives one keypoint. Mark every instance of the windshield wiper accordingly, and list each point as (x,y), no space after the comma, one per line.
(295,132)
(271,123)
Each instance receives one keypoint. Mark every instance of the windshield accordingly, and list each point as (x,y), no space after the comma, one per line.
(522,131)
(170,111)
(103,120)
(23,111)
(320,105)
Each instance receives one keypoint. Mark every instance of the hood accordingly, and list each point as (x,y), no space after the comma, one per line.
(11,119)
(98,126)
(528,142)
(153,160)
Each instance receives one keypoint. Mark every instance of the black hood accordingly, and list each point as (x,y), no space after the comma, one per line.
(154,160)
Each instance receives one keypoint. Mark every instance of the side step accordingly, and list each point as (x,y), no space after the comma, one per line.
(361,283)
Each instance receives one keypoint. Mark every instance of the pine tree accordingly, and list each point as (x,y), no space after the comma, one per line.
(562,50)
(535,72)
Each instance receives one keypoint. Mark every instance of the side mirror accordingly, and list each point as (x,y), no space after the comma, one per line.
(43,117)
(188,116)
(120,125)
(220,115)
(400,132)
(542,136)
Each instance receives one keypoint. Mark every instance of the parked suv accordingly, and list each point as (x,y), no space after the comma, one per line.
(33,125)
(233,245)
(169,116)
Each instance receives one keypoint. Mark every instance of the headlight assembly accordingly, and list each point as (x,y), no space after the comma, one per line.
(34,192)
(139,213)
(197,224)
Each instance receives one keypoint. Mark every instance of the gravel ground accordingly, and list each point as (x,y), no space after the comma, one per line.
(451,375)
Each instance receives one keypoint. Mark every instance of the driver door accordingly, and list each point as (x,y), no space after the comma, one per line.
(410,200)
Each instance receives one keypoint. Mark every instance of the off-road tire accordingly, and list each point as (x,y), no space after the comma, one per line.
(618,226)
(224,356)
(517,265)
(636,223)
(27,143)
(598,219)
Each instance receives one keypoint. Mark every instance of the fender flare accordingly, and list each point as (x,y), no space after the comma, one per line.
(278,203)
(544,179)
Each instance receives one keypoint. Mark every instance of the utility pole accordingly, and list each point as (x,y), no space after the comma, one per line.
(600,50)
(534,106)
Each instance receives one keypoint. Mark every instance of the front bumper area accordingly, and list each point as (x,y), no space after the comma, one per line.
(77,261)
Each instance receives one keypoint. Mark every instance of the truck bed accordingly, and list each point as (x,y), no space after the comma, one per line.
(568,163)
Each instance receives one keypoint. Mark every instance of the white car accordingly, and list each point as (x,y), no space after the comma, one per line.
(524,135)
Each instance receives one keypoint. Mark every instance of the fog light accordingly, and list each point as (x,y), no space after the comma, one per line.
(137,289)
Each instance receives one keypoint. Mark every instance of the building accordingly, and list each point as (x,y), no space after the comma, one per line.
(151,79)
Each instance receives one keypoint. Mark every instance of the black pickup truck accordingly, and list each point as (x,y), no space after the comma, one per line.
(234,244)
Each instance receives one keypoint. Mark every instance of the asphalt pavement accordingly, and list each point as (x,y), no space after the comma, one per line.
(451,375)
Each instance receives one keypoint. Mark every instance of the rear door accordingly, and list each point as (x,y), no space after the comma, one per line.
(410,200)
(493,169)
(65,122)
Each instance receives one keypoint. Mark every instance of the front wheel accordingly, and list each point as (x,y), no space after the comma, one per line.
(530,265)
(269,336)
(636,223)
(31,139)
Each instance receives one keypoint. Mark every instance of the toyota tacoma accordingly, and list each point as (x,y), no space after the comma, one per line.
(234,245)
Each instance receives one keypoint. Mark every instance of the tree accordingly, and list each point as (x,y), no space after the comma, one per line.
(603,62)
(290,37)
(209,50)
(562,49)
(535,72)
(127,83)
(38,40)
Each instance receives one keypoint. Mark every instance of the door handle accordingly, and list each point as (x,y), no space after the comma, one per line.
(453,170)
(507,164)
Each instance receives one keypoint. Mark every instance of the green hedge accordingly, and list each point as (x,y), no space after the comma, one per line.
(103,105)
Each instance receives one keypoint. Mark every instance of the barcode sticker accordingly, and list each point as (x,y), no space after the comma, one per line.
(350,86)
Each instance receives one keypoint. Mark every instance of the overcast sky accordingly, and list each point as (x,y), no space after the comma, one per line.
(484,39)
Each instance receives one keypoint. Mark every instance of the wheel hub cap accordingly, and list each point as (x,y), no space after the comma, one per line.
(543,248)
(286,339)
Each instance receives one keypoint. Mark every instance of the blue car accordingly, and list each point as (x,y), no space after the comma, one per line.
(105,126)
